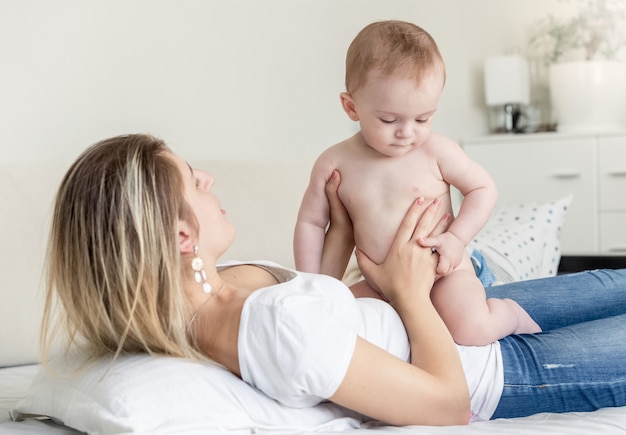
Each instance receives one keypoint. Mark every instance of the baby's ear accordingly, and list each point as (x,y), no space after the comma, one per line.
(347,102)
(186,239)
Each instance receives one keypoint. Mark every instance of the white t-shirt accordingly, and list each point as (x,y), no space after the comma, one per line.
(296,340)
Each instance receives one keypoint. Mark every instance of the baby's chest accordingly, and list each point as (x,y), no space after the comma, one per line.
(386,182)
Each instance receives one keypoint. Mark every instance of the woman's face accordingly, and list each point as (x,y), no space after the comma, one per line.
(216,233)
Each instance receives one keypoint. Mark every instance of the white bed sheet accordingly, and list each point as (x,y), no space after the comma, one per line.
(14,382)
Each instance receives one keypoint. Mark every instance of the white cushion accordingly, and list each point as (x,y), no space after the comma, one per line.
(522,241)
(149,394)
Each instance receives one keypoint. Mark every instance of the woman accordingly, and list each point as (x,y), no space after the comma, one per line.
(133,258)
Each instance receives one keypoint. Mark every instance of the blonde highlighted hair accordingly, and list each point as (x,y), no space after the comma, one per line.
(114,273)
(392,47)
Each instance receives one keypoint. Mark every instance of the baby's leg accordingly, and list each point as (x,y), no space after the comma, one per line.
(473,320)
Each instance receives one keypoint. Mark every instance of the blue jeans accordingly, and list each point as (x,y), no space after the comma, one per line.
(579,362)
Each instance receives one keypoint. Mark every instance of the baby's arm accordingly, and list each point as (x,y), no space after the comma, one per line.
(480,196)
(313,217)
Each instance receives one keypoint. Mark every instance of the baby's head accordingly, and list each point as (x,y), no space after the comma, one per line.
(393,48)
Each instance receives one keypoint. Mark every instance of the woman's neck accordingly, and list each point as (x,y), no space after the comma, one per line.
(216,320)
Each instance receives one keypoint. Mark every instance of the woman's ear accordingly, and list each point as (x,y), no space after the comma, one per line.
(186,240)
(348,106)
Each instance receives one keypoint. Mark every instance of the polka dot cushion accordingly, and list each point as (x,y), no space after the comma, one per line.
(523,241)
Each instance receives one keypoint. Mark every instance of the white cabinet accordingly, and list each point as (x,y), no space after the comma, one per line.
(547,166)
(612,193)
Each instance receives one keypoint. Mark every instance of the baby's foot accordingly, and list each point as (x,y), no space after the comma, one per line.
(525,323)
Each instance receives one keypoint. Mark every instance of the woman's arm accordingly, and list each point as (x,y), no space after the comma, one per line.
(339,240)
(432,390)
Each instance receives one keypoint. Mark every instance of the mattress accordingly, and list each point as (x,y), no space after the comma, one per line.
(14,383)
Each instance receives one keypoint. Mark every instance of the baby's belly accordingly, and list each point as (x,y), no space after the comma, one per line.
(375,227)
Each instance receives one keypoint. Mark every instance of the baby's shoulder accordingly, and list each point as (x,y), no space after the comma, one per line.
(345,147)
(443,148)
(438,140)
(335,156)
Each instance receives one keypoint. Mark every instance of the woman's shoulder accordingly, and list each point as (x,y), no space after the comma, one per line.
(280,273)
(298,288)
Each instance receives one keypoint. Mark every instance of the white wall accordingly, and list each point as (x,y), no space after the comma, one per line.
(222,79)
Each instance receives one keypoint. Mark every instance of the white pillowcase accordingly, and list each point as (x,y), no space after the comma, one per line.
(522,241)
(149,394)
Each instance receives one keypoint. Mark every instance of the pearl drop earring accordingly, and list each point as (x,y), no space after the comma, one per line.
(199,274)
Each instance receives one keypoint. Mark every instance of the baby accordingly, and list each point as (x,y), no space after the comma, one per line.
(394,78)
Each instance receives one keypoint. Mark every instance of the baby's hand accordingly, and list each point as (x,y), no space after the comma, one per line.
(450,250)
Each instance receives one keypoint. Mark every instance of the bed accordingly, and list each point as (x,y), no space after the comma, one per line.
(143,394)
(250,418)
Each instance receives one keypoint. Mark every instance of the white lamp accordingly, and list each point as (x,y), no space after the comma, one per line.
(507,86)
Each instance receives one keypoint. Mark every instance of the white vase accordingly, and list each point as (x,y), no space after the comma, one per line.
(588,96)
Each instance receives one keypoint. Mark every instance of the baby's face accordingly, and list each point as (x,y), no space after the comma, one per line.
(395,113)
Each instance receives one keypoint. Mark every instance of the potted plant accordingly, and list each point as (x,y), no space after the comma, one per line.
(587,80)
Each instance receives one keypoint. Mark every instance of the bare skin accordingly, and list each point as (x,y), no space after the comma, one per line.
(394,159)
(417,322)
(431,389)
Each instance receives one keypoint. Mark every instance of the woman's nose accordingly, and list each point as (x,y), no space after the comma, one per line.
(207,179)
(210,180)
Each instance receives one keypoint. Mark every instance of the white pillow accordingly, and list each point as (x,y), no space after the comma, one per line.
(146,394)
(522,241)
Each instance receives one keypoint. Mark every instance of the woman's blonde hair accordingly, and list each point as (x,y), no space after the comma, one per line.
(113,262)
(393,47)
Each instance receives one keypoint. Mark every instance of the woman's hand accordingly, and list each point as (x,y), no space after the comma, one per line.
(409,269)
(339,240)
(432,390)
(339,217)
